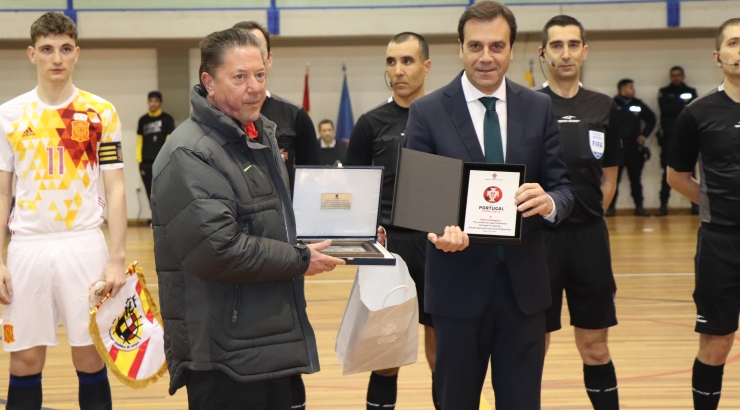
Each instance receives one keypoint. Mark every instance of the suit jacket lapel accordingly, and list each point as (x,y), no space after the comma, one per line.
(457,108)
(514,121)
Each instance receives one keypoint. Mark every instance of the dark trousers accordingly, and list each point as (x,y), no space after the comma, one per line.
(513,341)
(215,390)
(634,162)
(146,176)
(665,189)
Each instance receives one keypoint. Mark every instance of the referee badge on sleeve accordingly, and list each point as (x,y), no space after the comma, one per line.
(596,142)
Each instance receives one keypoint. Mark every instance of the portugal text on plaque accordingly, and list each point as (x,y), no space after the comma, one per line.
(490,207)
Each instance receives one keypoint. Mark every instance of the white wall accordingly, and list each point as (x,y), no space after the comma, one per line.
(121,76)
(645,61)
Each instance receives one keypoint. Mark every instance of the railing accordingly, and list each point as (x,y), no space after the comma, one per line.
(273,7)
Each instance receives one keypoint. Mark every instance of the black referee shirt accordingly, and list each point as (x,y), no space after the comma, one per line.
(709,130)
(295,133)
(154,131)
(591,142)
(375,141)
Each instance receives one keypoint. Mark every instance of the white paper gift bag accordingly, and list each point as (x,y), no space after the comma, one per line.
(380,327)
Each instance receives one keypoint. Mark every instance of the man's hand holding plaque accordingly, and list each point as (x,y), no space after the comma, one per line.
(532,198)
(321,262)
(453,239)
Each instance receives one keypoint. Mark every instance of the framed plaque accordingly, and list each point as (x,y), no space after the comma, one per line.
(434,191)
(348,249)
(341,204)
(487,209)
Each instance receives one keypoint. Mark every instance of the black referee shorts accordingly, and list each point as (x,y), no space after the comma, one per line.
(579,262)
(717,281)
(411,246)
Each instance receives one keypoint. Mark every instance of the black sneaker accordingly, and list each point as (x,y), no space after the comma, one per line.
(640,211)
(662,211)
(610,212)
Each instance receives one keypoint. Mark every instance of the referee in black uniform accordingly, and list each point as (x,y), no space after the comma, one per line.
(296,135)
(375,141)
(709,130)
(578,254)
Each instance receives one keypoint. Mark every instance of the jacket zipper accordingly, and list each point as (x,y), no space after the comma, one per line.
(287,238)
(282,205)
(237,303)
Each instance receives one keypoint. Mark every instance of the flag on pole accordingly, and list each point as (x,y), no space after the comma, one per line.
(306,101)
(345,120)
(529,75)
(127,331)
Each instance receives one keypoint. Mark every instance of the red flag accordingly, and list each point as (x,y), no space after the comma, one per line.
(306,101)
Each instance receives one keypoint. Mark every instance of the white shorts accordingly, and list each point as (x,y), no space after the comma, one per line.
(51,275)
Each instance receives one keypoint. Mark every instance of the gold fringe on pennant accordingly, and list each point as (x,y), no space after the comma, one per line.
(100,347)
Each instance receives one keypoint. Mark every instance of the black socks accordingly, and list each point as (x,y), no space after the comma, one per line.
(601,386)
(298,393)
(706,384)
(434,394)
(381,392)
(94,390)
(24,392)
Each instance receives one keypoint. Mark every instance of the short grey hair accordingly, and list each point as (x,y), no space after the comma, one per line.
(213,48)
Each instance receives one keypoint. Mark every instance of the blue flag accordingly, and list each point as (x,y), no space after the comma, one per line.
(345,120)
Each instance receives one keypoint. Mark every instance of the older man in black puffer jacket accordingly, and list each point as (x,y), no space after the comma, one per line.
(230,272)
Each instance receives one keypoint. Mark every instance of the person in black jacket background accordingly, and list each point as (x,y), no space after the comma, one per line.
(331,151)
(632,112)
(153,130)
(672,99)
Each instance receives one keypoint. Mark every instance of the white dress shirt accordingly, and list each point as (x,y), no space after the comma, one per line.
(477,114)
(332,145)
(478,110)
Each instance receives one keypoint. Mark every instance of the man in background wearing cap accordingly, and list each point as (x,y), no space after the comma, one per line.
(153,130)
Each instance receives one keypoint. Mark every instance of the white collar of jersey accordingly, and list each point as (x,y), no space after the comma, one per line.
(721,87)
(267,93)
(390,99)
(67,102)
(547,84)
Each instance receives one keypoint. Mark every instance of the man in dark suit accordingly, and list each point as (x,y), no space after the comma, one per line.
(486,300)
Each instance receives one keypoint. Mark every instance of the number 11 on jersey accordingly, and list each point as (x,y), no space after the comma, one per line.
(60,152)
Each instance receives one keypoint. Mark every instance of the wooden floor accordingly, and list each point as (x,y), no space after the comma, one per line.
(653,347)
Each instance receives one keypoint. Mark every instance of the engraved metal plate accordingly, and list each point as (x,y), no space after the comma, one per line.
(336,201)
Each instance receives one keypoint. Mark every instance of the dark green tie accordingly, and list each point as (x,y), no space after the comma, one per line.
(492,132)
(492,143)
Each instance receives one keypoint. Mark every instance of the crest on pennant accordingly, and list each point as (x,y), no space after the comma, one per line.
(127,331)
(80,131)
